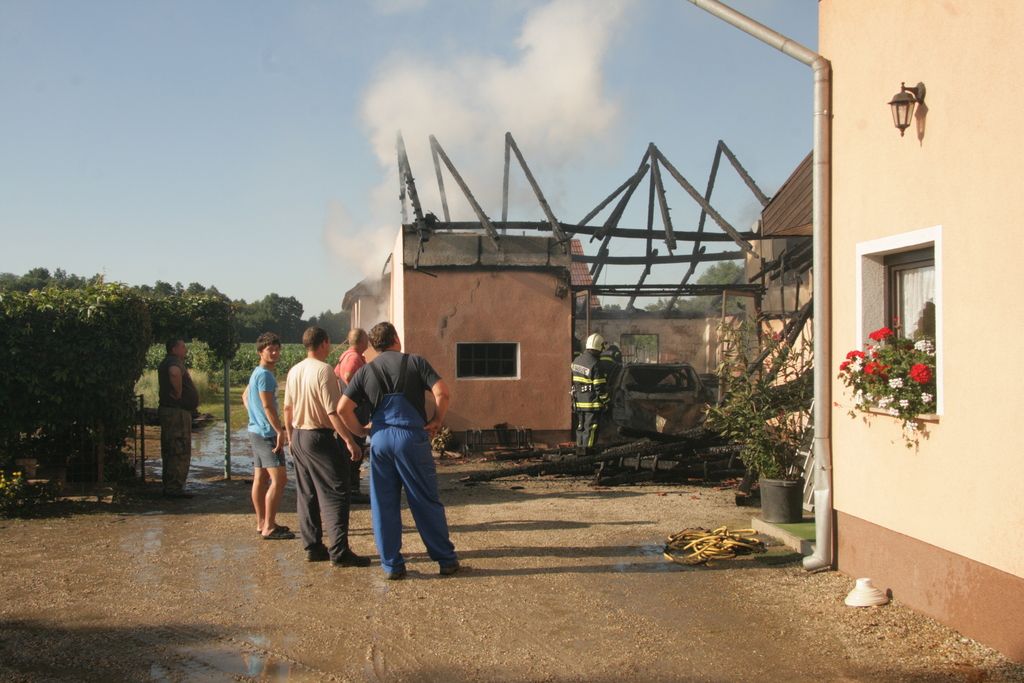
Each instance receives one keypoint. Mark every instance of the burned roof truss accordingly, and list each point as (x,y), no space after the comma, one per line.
(689,246)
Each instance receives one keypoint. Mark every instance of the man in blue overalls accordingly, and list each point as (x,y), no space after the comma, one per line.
(394,385)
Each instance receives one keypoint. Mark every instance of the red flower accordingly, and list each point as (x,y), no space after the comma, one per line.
(845,364)
(921,373)
(875,368)
(881,334)
(854,354)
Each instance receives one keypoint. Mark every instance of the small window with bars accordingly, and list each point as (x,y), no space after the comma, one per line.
(487,360)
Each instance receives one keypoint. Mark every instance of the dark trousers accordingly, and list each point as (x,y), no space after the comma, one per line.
(354,467)
(322,484)
(587,424)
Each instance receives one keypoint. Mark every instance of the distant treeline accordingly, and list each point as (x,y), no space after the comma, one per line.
(276,313)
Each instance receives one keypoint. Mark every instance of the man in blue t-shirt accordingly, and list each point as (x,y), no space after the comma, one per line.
(268,439)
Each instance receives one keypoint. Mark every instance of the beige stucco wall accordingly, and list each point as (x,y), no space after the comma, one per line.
(516,305)
(959,490)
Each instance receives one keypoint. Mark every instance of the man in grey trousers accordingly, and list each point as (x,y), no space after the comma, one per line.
(311,396)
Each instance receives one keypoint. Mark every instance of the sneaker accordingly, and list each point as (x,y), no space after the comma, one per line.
(317,553)
(350,559)
(395,574)
(449,569)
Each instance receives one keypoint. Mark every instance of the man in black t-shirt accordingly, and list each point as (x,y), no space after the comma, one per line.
(394,385)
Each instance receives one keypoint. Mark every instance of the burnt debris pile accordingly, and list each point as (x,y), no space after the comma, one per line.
(697,455)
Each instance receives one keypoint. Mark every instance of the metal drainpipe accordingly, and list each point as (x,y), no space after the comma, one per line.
(822,232)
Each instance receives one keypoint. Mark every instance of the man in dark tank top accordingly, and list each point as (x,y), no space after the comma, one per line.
(178,400)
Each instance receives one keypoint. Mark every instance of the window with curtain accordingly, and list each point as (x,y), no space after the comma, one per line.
(910,285)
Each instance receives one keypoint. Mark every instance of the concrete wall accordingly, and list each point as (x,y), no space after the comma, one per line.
(956,175)
(495,306)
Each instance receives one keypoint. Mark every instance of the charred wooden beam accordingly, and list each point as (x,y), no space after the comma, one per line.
(666,290)
(440,183)
(654,260)
(659,189)
(698,248)
(685,184)
(631,233)
(761,196)
(556,227)
(481,216)
(608,200)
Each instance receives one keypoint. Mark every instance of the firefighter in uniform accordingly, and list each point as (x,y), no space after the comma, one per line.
(589,393)
(611,363)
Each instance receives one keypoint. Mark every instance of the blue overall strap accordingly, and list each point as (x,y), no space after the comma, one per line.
(394,409)
(399,386)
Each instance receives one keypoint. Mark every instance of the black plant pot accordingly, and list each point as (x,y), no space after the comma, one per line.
(782,501)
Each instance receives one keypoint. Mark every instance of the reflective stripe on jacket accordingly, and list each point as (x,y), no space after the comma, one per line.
(589,383)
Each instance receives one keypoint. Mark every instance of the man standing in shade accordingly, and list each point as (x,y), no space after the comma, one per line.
(178,400)
(348,365)
(394,384)
(311,396)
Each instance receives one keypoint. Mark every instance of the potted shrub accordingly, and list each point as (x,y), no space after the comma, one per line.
(767,390)
(895,376)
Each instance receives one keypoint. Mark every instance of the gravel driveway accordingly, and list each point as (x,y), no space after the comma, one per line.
(562,582)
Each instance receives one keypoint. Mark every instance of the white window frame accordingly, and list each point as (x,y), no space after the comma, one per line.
(479,378)
(872,292)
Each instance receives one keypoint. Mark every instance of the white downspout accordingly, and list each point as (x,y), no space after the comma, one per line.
(822,281)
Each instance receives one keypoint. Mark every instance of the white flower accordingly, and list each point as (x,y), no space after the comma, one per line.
(896,382)
(869,397)
(925,345)
(894,412)
(884,402)
(910,426)
(904,403)
(926,398)
(856,365)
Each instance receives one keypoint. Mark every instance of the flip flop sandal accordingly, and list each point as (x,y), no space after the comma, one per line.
(279,534)
(279,526)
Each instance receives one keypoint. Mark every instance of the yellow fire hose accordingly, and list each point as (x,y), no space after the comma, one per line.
(698,545)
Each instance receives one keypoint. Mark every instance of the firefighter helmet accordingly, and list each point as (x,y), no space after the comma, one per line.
(595,342)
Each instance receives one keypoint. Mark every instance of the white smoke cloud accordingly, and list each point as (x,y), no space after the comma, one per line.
(550,97)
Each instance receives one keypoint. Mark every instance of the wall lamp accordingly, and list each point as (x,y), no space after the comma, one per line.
(902,104)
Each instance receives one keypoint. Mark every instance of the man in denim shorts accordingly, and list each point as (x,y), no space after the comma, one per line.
(268,439)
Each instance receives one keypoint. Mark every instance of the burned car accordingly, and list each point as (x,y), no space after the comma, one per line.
(650,399)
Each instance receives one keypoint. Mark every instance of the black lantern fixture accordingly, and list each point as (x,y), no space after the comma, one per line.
(902,104)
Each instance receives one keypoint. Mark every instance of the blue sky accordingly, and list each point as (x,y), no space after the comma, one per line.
(250,145)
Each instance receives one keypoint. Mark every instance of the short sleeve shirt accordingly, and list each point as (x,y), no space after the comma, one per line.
(260,380)
(312,393)
(420,377)
(349,364)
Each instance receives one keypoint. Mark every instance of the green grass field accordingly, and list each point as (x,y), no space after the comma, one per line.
(213,403)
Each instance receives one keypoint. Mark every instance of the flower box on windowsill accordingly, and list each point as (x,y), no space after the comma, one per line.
(893,376)
(925,417)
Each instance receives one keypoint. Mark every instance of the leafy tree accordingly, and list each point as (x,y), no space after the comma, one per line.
(336,324)
(276,313)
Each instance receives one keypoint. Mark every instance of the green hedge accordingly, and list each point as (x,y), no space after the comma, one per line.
(72,357)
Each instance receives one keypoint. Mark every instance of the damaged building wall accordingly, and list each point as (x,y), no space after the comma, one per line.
(511,307)
(687,340)
(460,296)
